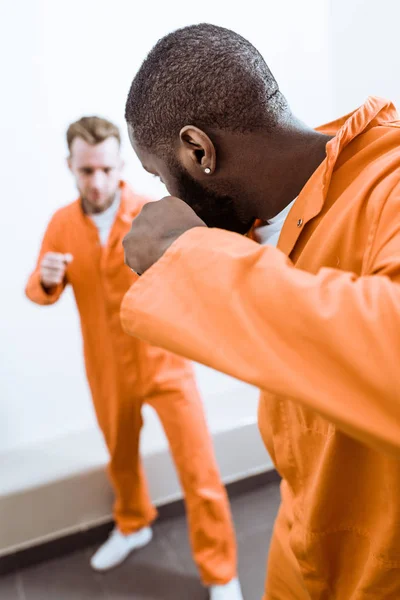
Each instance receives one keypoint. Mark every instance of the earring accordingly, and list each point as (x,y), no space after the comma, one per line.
(207,170)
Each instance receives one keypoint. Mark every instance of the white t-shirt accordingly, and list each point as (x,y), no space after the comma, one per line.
(269,234)
(105,220)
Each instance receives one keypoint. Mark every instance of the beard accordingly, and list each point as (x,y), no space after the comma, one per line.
(91,207)
(216,210)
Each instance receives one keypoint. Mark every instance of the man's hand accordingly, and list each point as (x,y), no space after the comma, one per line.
(154,230)
(53,268)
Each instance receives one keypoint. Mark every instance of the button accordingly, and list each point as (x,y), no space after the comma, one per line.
(299,222)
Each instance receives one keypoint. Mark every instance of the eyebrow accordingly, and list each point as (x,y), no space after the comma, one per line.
(91,167)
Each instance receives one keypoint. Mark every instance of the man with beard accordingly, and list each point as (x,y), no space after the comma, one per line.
(315,323)
(83,247)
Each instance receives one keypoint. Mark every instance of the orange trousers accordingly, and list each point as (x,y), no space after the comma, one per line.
(180,410)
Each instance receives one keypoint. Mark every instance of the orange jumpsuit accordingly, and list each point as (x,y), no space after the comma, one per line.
(124,372)
(316,325)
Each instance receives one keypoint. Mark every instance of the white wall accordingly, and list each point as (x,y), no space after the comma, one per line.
(366,56)
(61,60)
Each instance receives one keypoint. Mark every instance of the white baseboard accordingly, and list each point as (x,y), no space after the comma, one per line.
(69,499)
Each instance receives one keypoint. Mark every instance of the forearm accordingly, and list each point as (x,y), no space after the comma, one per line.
(329,341)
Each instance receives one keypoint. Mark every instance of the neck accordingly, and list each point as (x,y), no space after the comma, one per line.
(292,155)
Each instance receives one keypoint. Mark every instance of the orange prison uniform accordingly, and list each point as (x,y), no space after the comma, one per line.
(316,325)
(124,372)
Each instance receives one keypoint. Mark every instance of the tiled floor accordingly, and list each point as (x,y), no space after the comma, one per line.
(162,571)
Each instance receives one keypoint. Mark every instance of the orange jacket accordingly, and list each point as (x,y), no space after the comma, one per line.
(115,362)
(321,340)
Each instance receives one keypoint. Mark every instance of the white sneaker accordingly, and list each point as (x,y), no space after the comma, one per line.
(118,547)
(230,591)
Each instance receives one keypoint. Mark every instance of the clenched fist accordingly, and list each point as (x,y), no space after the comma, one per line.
(157,227)
(53,268)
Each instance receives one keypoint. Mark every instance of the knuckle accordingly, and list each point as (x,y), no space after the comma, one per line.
(146,210)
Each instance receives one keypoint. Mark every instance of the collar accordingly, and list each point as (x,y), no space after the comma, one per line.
(375,111)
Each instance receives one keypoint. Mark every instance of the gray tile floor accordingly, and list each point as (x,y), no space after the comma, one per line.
(162,571)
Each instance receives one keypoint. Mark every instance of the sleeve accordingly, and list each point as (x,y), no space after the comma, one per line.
(330,341)
(34,289)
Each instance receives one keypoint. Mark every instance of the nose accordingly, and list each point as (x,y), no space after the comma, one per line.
(98,179)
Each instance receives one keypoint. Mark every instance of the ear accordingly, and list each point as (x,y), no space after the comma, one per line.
(69,163)
(196,152)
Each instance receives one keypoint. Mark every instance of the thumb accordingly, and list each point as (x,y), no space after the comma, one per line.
(68,258)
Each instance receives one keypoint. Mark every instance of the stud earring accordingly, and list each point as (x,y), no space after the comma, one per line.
(207,170)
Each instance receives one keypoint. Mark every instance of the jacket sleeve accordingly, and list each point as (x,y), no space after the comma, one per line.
(34,289)
(330,340)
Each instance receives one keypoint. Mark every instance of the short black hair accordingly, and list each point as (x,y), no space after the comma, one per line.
(201,75)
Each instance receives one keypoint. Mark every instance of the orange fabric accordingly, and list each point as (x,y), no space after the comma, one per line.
(284,577)
(316,325)
(124,372)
